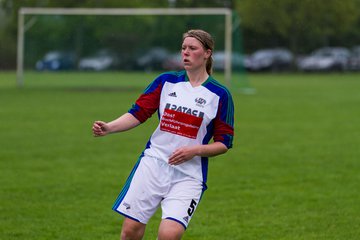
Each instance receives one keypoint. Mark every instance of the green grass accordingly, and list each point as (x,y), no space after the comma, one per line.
(293,172)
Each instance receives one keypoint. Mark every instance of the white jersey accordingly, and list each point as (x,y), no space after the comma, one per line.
(187,116)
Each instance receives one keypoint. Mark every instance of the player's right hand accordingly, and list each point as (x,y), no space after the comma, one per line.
(100,128)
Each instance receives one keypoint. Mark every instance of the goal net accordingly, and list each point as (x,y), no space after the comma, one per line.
(93,39)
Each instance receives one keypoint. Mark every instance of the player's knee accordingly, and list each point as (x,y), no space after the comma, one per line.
(132,230)
(131,234)
(170,233)
(127,234)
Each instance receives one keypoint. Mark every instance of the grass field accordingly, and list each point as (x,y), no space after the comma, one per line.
(294,171)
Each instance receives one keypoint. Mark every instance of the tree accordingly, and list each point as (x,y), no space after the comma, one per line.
(304,24)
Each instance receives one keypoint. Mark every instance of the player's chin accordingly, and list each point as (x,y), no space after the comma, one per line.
(187,67)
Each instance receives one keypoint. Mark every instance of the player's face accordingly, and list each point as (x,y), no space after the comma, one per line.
(193,54)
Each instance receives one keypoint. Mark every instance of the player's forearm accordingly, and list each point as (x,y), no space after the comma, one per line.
(210,150)
(123,123)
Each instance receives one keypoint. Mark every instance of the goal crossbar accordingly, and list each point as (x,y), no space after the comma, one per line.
(126,11)
(123,12)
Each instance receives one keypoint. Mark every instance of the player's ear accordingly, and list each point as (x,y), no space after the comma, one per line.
(208,53)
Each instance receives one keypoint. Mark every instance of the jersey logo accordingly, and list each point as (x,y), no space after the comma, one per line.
(185,110)
(173,94)
(200,102)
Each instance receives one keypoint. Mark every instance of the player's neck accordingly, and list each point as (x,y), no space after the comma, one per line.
(196,78)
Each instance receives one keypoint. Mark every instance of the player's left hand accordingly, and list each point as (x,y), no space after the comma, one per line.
(182,155)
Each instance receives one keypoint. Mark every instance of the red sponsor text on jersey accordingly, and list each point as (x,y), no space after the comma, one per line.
(180,123)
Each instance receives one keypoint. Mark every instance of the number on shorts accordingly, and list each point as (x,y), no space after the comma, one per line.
(192,207)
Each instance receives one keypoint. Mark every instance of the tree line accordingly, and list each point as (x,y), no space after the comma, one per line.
(300,25)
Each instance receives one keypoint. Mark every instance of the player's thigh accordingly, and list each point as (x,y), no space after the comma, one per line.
(143,192)
(182,200)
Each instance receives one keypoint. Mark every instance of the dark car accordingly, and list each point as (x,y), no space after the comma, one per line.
(153,59)
(274,59)
(173,62)
(354,59)
(56,61)
(326,59)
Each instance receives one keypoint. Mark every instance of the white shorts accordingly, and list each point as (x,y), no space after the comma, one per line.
(154,182)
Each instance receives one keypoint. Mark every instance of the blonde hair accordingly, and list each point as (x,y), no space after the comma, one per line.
(208,43)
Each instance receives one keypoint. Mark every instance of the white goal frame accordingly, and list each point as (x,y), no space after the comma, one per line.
(124,12)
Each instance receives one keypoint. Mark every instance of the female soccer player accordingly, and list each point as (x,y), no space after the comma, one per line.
(171,172)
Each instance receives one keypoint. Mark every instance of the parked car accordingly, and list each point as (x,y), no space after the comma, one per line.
(354,59)
(173,62)
(274,59)
(325,59)
(56,61)
(153,59)
(237,61)
(101,60)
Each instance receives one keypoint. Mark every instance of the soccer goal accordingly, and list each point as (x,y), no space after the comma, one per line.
(40,30)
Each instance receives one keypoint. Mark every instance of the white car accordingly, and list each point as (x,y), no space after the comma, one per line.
(354,60)
(102,60)
(326,59)
(237,61)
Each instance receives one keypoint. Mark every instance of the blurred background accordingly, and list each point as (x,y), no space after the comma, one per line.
(272,35)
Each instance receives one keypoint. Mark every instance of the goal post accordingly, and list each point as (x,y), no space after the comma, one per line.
(23,26)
